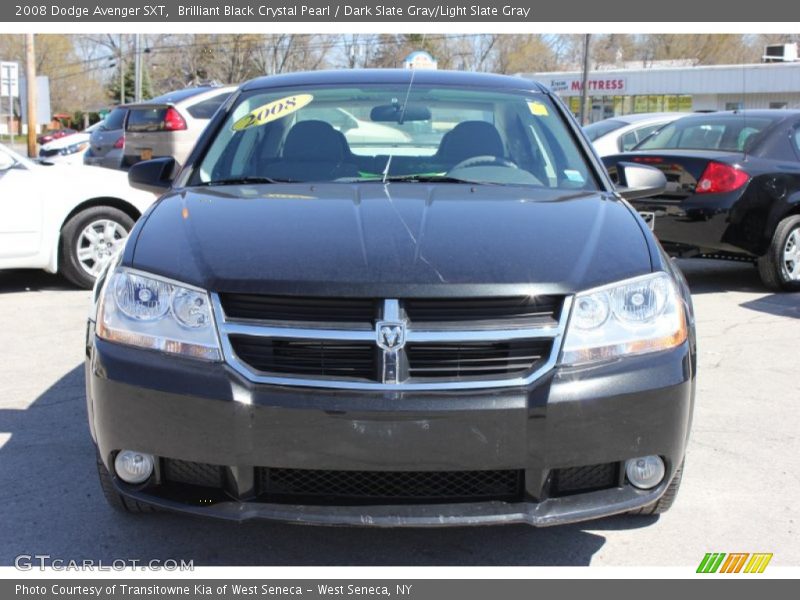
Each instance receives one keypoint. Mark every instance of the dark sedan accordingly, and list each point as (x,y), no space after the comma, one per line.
(733,189)
(454,320)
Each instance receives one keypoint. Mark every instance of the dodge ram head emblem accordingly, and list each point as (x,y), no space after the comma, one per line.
(391,335)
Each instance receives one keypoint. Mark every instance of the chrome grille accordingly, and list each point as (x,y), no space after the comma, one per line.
(410,344)
(299,309)
(471,359)
(524,310)
(320,358)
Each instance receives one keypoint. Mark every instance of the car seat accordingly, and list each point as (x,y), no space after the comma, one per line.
(313,151)
(468,139)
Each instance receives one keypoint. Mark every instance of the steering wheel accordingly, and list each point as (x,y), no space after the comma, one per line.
(485,160)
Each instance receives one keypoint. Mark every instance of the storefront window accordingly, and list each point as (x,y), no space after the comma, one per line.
(604,107)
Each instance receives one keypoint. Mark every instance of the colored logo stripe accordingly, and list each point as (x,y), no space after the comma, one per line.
(758,563)
(711,562)
(734,562)
(714,562)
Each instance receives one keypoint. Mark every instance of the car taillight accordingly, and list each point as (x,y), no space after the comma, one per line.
(173,121)
(120,143)
(719,178)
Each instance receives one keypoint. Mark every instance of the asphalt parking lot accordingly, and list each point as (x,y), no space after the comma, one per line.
(739,493)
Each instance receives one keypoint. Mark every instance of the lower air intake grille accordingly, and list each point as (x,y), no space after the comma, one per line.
(361,487)
(475,359)
(309,358)
(192,473)
(574,480)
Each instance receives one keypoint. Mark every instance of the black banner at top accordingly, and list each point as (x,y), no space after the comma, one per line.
(393,11)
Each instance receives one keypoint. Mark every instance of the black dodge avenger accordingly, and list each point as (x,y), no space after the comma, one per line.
(392,298)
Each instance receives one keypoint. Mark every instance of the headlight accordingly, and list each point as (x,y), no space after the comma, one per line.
(73,148)
(640,315)
(151,312)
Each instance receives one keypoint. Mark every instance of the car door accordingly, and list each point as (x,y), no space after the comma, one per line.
(20,208)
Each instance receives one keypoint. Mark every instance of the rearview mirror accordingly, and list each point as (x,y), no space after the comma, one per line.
(639,181)
(153,175)
(394,113)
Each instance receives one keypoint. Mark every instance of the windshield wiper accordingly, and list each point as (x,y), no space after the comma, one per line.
(245,180)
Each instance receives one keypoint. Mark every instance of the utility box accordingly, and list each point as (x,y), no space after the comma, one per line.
(780,53)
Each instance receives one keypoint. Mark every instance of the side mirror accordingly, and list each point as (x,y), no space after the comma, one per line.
(639,181)
(153,175)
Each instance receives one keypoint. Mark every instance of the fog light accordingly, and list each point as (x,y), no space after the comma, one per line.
(645,472)
(133,467)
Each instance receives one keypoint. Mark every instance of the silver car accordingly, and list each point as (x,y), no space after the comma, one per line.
(169,125)
(107,142)
(622,133)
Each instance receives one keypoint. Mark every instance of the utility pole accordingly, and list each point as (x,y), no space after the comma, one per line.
(137,66)
(121,71)
(585,81)
(30,83)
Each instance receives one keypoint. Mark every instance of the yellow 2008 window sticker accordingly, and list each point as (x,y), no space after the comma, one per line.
(272,111)
(537,108)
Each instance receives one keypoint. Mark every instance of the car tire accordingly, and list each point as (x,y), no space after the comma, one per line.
(74,237)
(664,503)
(116,500)
(771,265)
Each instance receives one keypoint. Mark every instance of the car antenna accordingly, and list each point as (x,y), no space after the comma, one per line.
(399,122)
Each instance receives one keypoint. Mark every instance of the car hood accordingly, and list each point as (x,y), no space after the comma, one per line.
(394,240)
(66,141)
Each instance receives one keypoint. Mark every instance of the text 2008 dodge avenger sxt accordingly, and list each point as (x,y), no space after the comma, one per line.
(392,298)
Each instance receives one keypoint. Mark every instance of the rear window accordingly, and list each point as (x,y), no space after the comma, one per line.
(630,139)
(601,128)
(146,119)
(207,108)
(115,119)
(179,95)
(730,133)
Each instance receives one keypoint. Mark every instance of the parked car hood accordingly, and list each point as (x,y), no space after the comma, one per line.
(66,141)
(395,240)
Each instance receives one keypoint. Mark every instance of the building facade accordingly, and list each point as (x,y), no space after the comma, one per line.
(683,89)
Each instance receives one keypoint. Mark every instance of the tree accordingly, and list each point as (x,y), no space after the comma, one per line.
(524,53)
(113,91)
(74,83)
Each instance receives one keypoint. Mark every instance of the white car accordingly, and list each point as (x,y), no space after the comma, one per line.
(620,134)
(66,219)
(68,149)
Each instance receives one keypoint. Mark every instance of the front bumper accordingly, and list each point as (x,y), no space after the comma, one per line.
(181,409)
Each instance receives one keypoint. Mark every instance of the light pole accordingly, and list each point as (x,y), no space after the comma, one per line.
(585,81)
(121,71)
(30,83)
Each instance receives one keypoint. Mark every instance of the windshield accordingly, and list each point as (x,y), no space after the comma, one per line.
(729,133)
(372,132)
(601,128)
